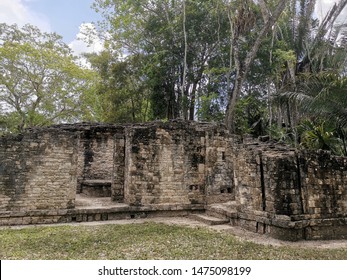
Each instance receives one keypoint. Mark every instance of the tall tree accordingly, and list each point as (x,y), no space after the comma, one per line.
(40,83)
(246,22)
(178,40)
(122,89)
(310,65)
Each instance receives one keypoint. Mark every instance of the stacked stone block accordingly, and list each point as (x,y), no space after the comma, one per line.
(218,166)
(165,164)
(324,178)
(117,178)
(38,171)
(290,194)
(281,183)
(173,166)
(247,178)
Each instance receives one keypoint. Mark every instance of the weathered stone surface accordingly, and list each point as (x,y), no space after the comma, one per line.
(38,171)
(176,163)
(306,187)
(172,167)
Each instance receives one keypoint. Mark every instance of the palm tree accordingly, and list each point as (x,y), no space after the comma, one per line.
(315,86)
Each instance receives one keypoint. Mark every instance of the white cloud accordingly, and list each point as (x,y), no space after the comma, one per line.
(17,11)
(86,41)
(86,34)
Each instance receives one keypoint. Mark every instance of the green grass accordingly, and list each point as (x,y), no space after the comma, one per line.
(142,241)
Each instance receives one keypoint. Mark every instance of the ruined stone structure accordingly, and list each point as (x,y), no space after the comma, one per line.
(175,168)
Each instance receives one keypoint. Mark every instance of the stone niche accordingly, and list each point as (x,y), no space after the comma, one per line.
(101,161)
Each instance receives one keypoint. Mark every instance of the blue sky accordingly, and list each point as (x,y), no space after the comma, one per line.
(61,16)
(65,16)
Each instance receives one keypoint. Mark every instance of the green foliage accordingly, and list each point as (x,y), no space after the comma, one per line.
(309,75)
(250,115)
(183,59)
(122,89)
(40,83)
(281,134)
(154,31)
(209,109)
(320,136)
(321,96)
(324,94)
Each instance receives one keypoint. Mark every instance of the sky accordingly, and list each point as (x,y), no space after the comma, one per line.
(323,6)
(65,17)
(69,17)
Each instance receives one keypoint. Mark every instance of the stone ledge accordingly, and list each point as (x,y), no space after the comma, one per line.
(209,220)
(95,214)
(283,221)
(95,182)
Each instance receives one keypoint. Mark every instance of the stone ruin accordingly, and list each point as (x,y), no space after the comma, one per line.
(93,172)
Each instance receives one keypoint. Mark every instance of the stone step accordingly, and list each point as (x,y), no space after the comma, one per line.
(209,220)
(222,211)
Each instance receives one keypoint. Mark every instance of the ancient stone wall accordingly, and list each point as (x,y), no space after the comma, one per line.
(323,180)
(165,164)
(118,177)
(173,166)
(291,194)
(178,162)
(219,170)
(38,171)
(247,177)
(100,159)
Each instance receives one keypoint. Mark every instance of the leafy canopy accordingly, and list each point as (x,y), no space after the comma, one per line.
(41,82)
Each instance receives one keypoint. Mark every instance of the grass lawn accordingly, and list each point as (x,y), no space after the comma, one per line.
(142,241)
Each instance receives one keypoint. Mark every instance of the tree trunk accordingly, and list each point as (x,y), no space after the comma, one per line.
(192,102)
(185,104)
(232,102)
(242,67)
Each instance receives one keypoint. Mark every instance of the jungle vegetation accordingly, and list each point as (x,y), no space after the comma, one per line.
(262,67)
